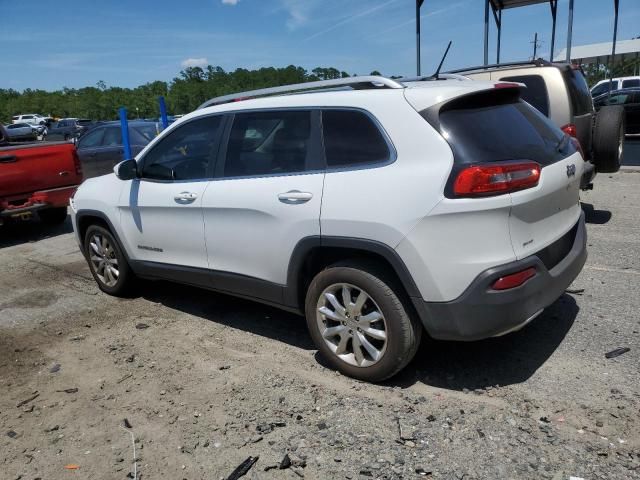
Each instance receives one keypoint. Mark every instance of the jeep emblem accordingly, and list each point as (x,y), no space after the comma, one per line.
(571,170)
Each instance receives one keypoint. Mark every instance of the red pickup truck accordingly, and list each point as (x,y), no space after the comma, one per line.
(37,177)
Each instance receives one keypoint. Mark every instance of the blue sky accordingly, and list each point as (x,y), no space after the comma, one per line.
(75,43)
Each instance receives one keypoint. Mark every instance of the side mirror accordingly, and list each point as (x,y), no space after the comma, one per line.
(126,170)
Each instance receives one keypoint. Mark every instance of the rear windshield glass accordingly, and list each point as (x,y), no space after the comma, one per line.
(579,93)
(498,126)
(535,93)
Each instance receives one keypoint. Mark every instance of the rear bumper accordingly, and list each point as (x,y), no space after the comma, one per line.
(21,204)
(587,176)
(481,312)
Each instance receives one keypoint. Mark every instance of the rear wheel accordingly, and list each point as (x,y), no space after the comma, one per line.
(608,139)
(107,262)
(53,216)
(359,324)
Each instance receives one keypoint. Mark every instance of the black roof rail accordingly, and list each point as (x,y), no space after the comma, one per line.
(540,62)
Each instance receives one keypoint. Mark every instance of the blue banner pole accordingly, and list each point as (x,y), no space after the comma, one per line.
(163,112)
(124,126)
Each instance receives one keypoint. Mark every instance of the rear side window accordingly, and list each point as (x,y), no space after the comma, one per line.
(536,92)
(635,82)
(269,143)
(351,138)
(497,126)
(579,93)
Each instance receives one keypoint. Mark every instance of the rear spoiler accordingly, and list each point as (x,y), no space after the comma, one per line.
(501,89)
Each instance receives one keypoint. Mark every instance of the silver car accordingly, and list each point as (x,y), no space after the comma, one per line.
(21,131)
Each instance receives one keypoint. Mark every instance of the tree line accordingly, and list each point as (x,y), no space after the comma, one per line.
(183,94)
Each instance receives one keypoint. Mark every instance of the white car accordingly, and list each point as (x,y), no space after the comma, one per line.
(378,211)
(617,83)
(30,118)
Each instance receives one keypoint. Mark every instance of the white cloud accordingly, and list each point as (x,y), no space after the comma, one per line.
(299,12)
(230,2)
(194,62)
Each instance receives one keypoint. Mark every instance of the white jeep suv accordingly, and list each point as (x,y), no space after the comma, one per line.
(377,209)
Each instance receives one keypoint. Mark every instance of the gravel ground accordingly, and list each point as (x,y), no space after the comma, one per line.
(205,381)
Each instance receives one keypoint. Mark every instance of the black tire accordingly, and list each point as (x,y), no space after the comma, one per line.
(53,216)
(125,278)
(403,330)
(66,137)
(608,139)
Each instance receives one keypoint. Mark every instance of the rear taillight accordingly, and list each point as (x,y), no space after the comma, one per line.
(495,179)
(76,163)
(514,280)
(570,129)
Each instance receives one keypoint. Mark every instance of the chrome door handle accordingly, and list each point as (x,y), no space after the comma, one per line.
(295,196)
(185,197)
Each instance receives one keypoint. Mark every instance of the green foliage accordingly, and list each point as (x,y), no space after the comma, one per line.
(183,94)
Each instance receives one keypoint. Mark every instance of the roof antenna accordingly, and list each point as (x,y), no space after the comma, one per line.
(435,75)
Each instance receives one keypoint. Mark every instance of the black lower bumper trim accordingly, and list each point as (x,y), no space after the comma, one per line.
(481,312)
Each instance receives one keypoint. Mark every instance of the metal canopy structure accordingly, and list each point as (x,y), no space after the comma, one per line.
(497,6)
(594,53)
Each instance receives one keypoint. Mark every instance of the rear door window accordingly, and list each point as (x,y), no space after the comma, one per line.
(581,102)
(270,143)
(497,126)
(634,82)
(351,139)
(536,92)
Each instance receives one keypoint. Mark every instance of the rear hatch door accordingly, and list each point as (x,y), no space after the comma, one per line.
(496,126)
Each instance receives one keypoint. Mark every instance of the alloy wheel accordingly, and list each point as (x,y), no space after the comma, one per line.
(351,324)
(104,260)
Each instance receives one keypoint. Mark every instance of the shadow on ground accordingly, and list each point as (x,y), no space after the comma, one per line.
(18,232)
(452,365)
(500,361)
(231,311)
(597,217)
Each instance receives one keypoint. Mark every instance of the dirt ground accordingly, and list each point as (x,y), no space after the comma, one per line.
(205,381)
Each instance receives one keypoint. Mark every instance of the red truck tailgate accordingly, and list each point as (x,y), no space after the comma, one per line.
(36,167)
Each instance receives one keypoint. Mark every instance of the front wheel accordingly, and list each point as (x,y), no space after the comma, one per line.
(107,262)
(359,324)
